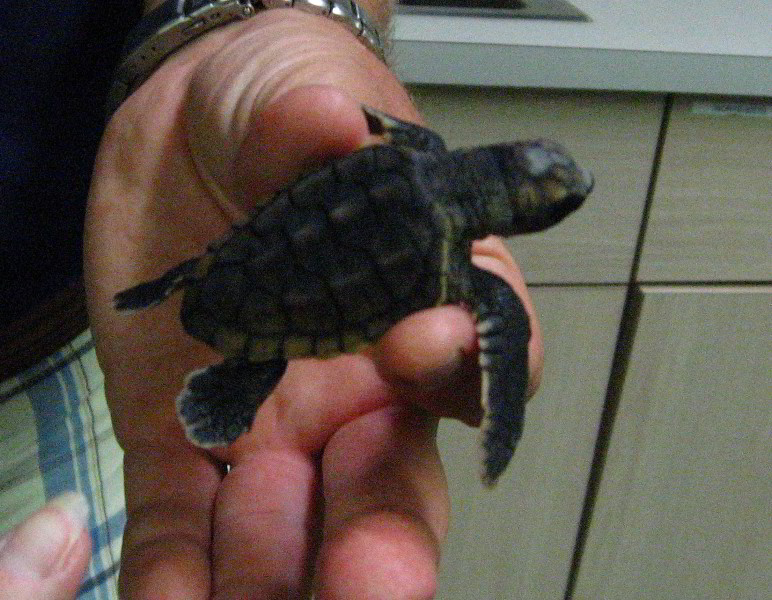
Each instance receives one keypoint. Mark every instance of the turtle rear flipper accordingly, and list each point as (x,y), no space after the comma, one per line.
(219,402)
(503,334)
(154,292)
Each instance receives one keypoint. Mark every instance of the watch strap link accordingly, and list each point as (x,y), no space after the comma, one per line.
(174,23)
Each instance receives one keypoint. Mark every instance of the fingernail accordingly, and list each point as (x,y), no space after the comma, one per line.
(75,506)
(41,545)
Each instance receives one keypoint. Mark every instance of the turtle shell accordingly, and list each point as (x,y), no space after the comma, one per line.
(329,264)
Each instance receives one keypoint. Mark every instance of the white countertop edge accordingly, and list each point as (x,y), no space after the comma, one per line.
(680,26)
(581,68)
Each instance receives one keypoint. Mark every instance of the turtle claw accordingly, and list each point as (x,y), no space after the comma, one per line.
(219,402)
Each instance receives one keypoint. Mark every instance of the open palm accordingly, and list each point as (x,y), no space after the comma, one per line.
(337,486)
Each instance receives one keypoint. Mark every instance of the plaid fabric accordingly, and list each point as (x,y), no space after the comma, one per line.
(56,435)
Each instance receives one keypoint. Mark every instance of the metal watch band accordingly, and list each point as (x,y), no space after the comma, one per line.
(174,23)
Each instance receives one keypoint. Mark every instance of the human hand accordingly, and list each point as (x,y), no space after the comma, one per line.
(45,556)
(337,486)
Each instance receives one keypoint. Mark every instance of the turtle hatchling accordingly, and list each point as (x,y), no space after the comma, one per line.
(335,259)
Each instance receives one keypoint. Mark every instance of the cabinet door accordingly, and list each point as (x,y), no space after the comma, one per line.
(684,509)
(712,212)
(515,542)
(613,135)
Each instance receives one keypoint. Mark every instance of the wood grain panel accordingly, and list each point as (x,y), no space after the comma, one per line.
(685,503)
(711,219)
(614,135)
(516,542)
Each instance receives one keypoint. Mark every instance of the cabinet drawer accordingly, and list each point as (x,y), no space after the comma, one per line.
(614,135)
(711,216)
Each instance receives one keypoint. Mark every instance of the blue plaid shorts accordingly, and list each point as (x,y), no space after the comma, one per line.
(56,435)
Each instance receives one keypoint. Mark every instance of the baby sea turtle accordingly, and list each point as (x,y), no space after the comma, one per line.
(334,260)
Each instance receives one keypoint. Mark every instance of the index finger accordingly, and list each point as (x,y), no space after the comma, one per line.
(439,368)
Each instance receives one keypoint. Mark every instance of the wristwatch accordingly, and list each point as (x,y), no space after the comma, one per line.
(175,22)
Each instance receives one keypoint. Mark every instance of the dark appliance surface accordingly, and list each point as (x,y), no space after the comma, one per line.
(523,9)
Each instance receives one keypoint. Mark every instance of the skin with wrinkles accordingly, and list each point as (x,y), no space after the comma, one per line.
(219,127)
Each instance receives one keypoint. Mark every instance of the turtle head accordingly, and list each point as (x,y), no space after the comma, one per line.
(543,186)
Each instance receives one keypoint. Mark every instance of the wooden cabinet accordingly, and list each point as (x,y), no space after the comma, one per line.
(684,506)
(613,135)
(679,498)
(516,541)
(684,510)
(712,210)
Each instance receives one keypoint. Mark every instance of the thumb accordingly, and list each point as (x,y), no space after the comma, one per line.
(276,60)
(45,556)
(297,133)
(294,133)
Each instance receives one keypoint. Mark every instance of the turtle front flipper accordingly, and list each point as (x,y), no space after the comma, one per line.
(503,333)
(402,133)
(219,403)
(154,292)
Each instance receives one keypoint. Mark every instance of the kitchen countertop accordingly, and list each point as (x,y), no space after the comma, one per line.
(686,46)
